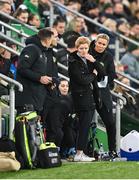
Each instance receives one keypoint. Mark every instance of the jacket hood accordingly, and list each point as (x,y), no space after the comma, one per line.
(73,56)
(35,40)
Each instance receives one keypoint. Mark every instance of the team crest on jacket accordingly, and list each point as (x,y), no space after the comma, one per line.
(102,63)
(54,59)
(26,56)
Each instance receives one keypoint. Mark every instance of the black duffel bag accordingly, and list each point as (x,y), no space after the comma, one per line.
(48,156)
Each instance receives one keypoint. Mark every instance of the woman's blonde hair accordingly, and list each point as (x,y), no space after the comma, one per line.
(103,36)
(82,40)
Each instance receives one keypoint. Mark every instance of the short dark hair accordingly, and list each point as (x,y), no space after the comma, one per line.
(45,33)
(59,19)
(70,37)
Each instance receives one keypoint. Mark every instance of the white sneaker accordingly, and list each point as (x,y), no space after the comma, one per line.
(83,158)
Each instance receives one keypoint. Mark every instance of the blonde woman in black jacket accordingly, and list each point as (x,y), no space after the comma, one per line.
(98,49)
(83,74)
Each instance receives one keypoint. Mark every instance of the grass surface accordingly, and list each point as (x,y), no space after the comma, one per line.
(94,170)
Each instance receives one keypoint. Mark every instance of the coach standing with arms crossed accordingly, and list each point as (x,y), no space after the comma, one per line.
(81,84)
(99,52)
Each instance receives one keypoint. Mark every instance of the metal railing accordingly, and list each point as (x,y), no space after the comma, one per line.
(11,40)
(128,77)
(12,83)
(13,19)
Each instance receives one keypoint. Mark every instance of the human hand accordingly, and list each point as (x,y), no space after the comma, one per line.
(7,54)
(95,72)
(46,79)
(90,58)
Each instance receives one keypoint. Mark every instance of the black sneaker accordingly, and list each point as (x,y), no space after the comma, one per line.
(113,154)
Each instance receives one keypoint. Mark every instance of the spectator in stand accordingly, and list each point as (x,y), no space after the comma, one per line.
(76,25)
(119,11)
(131,62)
(5,63)
(123,27)
(91,10)
(134,30)
(106,12)
(83,75)
(98,49)
(59,24)
(5,6)
(44,8)
(72,5)
(31,71)
(22,14)
(84,28)
(33,7)
(59,10)
(130,106)
(119,68)
(136,15)
(34,20)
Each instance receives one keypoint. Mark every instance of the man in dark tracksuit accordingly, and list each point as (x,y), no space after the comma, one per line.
(31,71)
(99,52)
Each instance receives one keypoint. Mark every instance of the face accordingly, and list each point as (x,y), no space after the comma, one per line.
(83,49)
(60,27)
(23,17)
(55,37)
(100,45)
(34,2)
(64,87)
(118,8)
(47,42)
(6,8)
(1,48)
(78,26)
(35,21)
(82,22)
(94,12)
(109,10)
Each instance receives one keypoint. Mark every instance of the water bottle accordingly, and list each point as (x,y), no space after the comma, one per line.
(101,152)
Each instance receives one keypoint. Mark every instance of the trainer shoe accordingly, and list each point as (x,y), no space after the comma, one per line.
(113,154)
(83,158)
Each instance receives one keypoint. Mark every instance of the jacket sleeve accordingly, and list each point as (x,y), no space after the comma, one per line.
(100,69)
(111,71)
(27,58)
(78,74)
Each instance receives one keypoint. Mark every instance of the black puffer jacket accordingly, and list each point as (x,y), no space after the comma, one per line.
(32,65)
(107,61)
(83,83)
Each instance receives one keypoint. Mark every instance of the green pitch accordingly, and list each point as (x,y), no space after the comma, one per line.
(71,170)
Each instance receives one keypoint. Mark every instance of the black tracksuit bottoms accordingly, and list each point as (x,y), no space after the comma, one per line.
(107,117)
(85,118)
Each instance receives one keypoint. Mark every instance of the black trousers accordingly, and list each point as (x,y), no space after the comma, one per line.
(107,117)
(85,118)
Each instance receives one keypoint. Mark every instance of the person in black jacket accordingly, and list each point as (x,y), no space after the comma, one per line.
(58,116)
(5,63)
(31,71)
(99,52)
(83,74)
